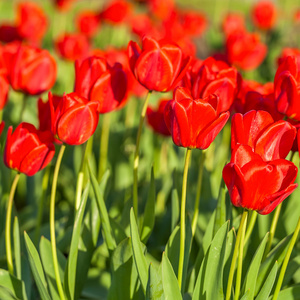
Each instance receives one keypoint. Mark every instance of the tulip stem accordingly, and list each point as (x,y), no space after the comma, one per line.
(103,145)
(197,200)
(250,225)
(235,254)
(182,217)
(136,156)
(52,222)
(240,260)
(286,260)
(45,183)
(272,229)
(8,225)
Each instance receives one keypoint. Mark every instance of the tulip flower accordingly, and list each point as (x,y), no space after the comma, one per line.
(255,184)
(264,15)
(4,88)
(31,22)
(30,70)
(96,80)
(161,9)
(116,12)
(28,150)
(286,86)
(257,129)
(245,50)
(232,23)
(194,123)
(216,77)
(74,119)
(9,33)
(285,52)
(88,23)
(159,65)
(72,46)
(156,118)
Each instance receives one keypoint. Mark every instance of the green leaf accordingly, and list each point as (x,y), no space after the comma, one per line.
(36,268)
(11,286)
(173,246)
(118,231)
(175,209)
(246,296)
(169,280)
(277,254)
(47,260)
(139,258)
(228,254)
(291,271)
(209,232)
(17,247)
(251,277)
(149,213)
(220,217)
(107,231)
(155,289)
(70,272)
(209,283)
(290,293)
(268,285)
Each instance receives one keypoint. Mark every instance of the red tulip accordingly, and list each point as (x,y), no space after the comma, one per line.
(289,52)
(245,51)
(2,124)
(73,46)
(193,123)
(194,23)
(27,149)
(98,81)
(30,70)
(255,184)
(116,12)
(74,120)
(9,33)
(156,118)
(286,86)
(161,9)
(264,15)
(4,88)
(31,22)
(88,23)
(233,23)
(257,129)
(63,5)
(158,66)
(216,77)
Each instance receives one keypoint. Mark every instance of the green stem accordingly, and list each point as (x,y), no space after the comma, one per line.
(45,183)
(182,217)
(136,156)
(272,230)
(250,225)
(235,255)
(103,145)
(9,256)
(240,260)
(286,260)
(199,185)
(1,115)
(52,223)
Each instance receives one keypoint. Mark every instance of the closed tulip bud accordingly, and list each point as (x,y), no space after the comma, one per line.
(264,15)
(96,80)
(74,119)
(30,70)
(28,150)
(159,65)
(255,184)
(257,129)
(194,123)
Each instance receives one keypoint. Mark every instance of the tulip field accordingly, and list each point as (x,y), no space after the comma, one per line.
(150,150)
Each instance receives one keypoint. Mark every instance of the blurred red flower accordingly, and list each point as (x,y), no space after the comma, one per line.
(9,33)
(96,80)
(257,129)
(117,11)
(193,123)
(88,23)
(32,22)
(74,119)
(159,65)
(156,118)
(27,149)
(232,23)
(72,46)
(245,51)
(255,184)
(264,15)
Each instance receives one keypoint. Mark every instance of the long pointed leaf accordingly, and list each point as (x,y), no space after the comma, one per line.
(155,289)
